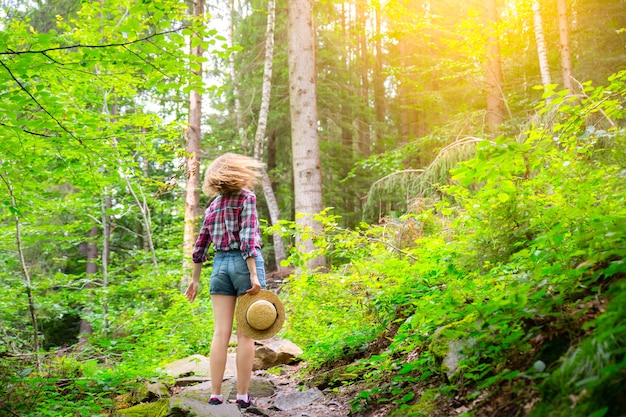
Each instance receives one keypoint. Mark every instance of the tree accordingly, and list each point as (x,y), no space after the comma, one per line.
(566,59)
(193,148)
(303,103)
(542,51)
(259,137)
(493,69)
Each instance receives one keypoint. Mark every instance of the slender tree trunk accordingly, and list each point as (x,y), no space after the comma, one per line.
(106,250)
(303,103)
(91,270)
(566,58)
(493,69)
(239,122)
(259,138)
(364,137)
(345,104)
(193,138)
(379,87)
(542,51)
(27,280)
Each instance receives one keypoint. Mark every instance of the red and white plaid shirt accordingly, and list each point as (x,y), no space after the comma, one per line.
(230,223)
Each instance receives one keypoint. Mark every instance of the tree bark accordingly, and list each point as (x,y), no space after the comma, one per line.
(92,269)
(259,138)
(542,51)
(106,250)
(239,123)
(304,134)
(363,127)
(193,148)
(566,58)
(493,69)
(379,87)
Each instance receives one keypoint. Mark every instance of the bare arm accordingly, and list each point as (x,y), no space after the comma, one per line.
(254,279)
(192,289)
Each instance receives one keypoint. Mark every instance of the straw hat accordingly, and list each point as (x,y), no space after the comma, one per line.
(260,316)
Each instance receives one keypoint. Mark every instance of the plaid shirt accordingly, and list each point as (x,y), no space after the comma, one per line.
(230,223)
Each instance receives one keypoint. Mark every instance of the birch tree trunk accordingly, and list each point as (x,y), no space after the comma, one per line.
(307,176)
(493,69)
(542,51)
(193,148)
(259,138)
(566,59)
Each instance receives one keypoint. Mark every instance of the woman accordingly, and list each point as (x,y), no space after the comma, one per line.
(232,226)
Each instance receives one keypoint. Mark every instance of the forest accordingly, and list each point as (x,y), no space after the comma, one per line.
(440,177)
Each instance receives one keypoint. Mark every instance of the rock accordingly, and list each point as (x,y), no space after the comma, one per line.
(274,352)
(159,408)
(190,380)
(453,357)
(259,387)
(333,378)
(296,399)
(450,341)
(192,407)
(197,365)
(202,392)
(158,389)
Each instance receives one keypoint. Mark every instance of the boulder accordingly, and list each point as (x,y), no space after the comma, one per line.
(275,352)
(192,407)
(296,399)
(197,365)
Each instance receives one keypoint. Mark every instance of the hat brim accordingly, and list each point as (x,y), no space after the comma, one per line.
(244,302)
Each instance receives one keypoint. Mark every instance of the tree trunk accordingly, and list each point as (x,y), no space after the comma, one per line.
(27,280)
(542,51)
(303,104)
(493,69)
(259,138)
(379,87)
(92,269)
(239,123)
(193,138)
(566,59)
(106,250)
(363,127)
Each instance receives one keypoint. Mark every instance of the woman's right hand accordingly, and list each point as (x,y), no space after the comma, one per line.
(192,291)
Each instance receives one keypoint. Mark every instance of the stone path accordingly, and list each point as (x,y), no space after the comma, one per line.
(272,395)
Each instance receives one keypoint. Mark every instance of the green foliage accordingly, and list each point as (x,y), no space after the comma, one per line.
(531,233)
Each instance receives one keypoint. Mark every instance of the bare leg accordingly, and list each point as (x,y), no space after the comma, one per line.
(223,312)
(245,362)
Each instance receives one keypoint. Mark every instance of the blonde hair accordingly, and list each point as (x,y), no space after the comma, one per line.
(230,173)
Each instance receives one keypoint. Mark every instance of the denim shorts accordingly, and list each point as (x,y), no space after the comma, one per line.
(230,275)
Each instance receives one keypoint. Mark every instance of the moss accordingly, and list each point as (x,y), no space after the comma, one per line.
(440,345)
(159,408)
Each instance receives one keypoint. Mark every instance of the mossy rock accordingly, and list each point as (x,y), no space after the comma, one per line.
(160,408)
(449,340)
(333,378)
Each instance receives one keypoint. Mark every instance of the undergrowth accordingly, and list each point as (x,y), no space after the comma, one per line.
(511,298)
(502,294)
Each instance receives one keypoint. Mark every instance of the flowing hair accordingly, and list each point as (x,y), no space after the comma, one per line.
(230,173)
